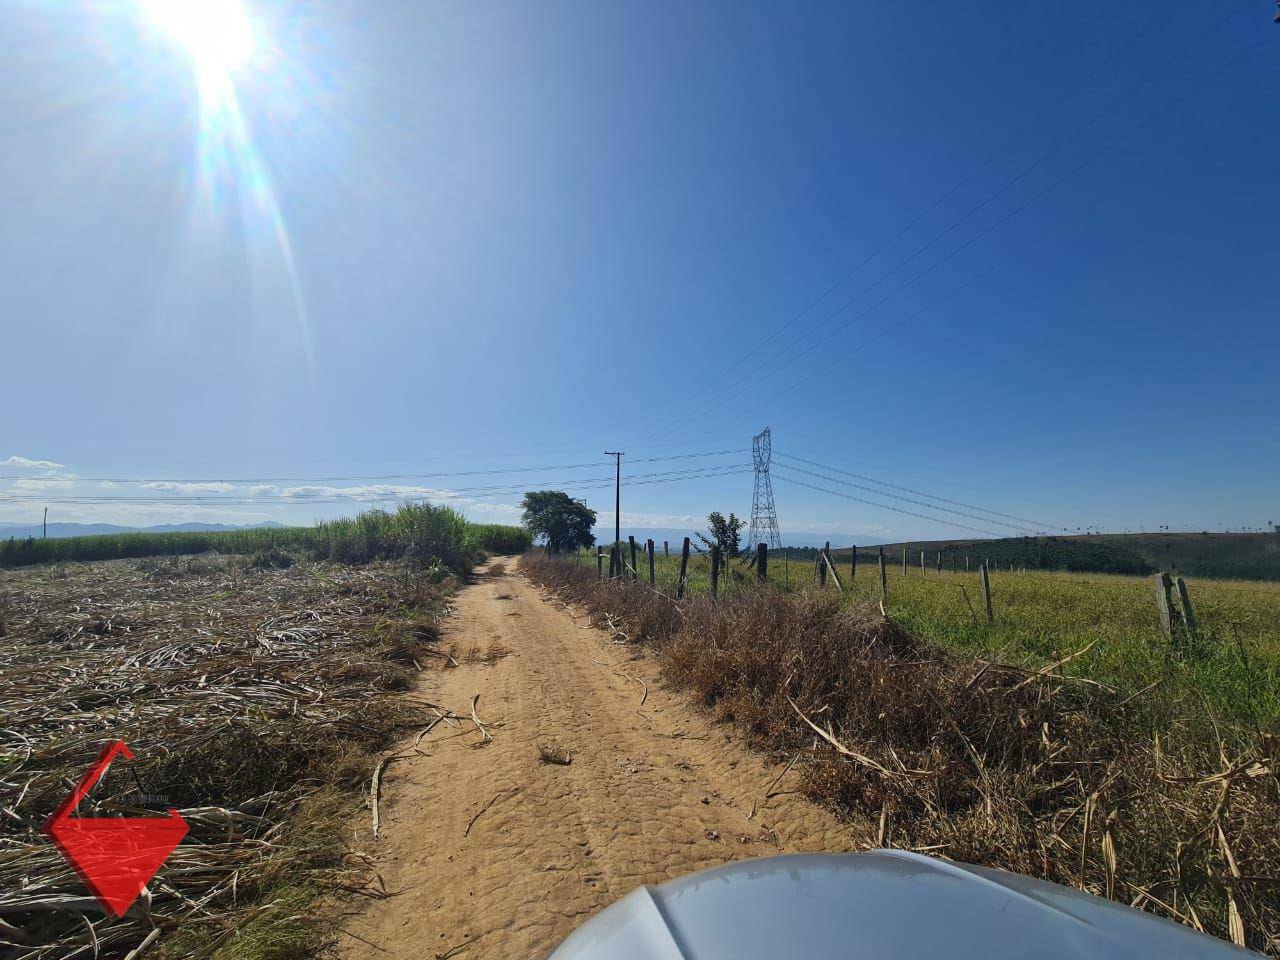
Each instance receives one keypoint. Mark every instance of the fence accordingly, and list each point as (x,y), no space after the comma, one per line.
(1138,625)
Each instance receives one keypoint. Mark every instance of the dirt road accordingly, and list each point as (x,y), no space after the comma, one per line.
(487,848)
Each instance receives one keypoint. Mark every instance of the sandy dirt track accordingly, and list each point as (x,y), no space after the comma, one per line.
(494,854)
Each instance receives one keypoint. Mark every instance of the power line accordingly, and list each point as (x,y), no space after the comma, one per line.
(337,496)
(902,231)
(919,503)
(1041,524)
(1088,161)
(384,476)
(885,506)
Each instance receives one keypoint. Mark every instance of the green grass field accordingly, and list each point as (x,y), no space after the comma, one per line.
(1233,666)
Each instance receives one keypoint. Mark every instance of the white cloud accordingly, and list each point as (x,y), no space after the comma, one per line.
(389,491)
(310,490)
(509,510)
(605,519)
(171,486)
(40,485)
(366,491)
(304,505)
(28,463)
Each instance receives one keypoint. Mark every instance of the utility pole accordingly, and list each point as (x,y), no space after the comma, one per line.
(45,535)
(617,501)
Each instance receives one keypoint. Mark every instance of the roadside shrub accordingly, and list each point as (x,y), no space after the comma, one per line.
(416,531)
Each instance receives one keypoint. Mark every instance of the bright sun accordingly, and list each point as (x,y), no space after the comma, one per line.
(216,34)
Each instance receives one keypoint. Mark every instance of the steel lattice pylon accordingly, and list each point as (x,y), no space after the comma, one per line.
(764,519)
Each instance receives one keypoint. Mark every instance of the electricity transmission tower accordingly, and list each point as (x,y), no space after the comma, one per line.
(764,519)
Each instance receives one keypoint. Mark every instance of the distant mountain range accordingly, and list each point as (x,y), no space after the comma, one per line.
(21,531)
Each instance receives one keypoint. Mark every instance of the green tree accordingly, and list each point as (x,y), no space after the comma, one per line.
(725,534)
(562,522)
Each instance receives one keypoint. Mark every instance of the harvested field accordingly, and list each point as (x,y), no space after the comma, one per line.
(1031,770)
(253,698)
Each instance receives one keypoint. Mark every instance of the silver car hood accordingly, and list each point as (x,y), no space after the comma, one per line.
(882,905)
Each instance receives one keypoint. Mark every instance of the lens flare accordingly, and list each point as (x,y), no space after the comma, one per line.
(219,38)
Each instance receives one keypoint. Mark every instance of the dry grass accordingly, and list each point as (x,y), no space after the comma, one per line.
(250,694)
(983,762)
(1233,662)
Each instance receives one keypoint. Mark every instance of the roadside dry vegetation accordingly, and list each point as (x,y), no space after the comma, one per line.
(1231,668)
(255,694)
(935,749)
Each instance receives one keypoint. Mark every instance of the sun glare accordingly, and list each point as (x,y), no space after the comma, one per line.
(218,37)
(216,34)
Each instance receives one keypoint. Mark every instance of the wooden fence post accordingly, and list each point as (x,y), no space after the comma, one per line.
(666,551)
(922,566)
(635,571)
(939,561)
(853,564)
(1188,615)
(904,559)
(715,570)
(599,563)
(986,590)
(966,563)
(648,548)
(826,559)
(884,579)
(822,570)
(684,567)
(762,562)
(1164,604)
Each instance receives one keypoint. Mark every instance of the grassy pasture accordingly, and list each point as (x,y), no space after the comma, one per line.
(1233,668)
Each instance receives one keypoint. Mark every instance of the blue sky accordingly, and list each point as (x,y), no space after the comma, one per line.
(412,237)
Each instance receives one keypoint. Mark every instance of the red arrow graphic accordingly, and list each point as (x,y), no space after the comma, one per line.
(114,857)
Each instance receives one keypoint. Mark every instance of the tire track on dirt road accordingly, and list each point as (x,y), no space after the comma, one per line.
(487,846)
